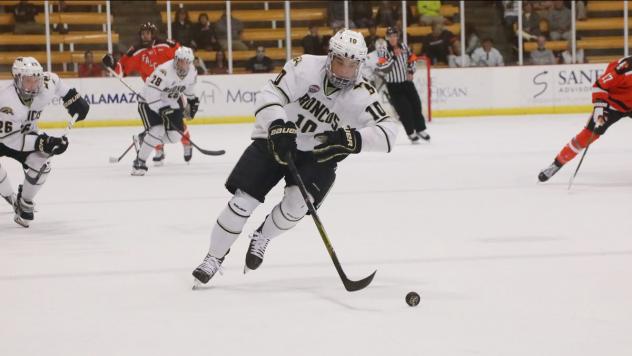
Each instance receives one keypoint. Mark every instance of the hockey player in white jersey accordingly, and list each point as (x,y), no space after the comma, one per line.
(318,110)
(21,105)
(161,106)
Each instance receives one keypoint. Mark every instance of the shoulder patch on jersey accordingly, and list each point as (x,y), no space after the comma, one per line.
(366,86)
(314,88)
(297,60)
(162,71)
(7,110)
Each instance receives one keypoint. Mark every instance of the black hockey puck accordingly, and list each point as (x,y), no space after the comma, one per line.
(412,299)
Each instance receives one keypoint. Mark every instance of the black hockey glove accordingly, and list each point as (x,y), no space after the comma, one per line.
(108,61)
(337,145)
(193,104)
(51,145)
(282,140)
(75,104)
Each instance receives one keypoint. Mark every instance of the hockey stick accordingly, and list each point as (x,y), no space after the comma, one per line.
(350,285)
(119,158)
(202,151)
(570,182)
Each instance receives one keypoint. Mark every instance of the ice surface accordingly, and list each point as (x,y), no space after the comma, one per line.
(504,265)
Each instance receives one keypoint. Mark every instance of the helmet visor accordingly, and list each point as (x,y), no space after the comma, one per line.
(30,85)
(343,71)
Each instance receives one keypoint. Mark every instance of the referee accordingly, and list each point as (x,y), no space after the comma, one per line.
(398,64)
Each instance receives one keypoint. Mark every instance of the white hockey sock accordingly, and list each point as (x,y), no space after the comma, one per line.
(286,214)
(230,223)
(151,139)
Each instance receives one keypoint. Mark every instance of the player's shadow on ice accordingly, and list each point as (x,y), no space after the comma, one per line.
(316,287)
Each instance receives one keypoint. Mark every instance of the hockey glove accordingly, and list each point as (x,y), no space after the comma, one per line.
(193,104)
(51,145)
(75,104)
(282,140)
(600,113)
(337,145)
(108,61)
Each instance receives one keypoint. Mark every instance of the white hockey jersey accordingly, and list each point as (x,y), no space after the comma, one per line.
(164,87)
(17,119)
(298,94)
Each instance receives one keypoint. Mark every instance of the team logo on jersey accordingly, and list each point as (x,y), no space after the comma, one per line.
(297,60)
(164,72)
(6,110)
(314,88)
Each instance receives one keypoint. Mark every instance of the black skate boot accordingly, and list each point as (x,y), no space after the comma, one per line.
(549,171)
(139,168)
(159,157)
(23,209)
(423,135)
(188,151)
(207,269)
(414,138)
(256,250)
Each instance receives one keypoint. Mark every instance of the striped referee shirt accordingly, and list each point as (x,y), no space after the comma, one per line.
(397,68)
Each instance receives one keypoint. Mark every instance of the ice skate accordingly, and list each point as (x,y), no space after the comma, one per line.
(549,171)
(23,210)
(207,269)
(139,168)
(188,151)
(256,250)
(159,157)
(423,135)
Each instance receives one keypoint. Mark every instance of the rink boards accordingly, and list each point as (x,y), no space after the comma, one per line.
(455,92)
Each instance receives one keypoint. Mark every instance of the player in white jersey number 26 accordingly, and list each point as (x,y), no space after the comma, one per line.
(317,111)
(21,105)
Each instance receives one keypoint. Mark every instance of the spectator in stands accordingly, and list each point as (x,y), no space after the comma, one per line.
(560,21)
(542,55)
(260,63)
(429,12)
(88,68)
(61,27)
(336,14)
(566,57)
(24,15)
(386,13)
(220,66)
(542,8)
(182,29)
(487,55)
(372,37)
(510,17)
(237,27)
(473,40)
(204,37)
(580,6)
(325,41)
(200,67)
(312,42)
(455,59)
(530,22)
(362,13)
(436,45)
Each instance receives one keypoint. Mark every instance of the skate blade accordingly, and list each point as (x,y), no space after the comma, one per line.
(138,173)
(20,221)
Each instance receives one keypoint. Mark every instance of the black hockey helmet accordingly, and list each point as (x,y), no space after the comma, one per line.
(392,31)
(148,26)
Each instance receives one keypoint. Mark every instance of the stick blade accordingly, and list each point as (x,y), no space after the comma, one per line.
(113,160)
(211,152)
(352,286)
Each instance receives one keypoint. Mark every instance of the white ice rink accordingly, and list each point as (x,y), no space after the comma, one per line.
(505,266)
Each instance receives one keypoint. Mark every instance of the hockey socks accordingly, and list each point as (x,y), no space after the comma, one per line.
(576,145)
